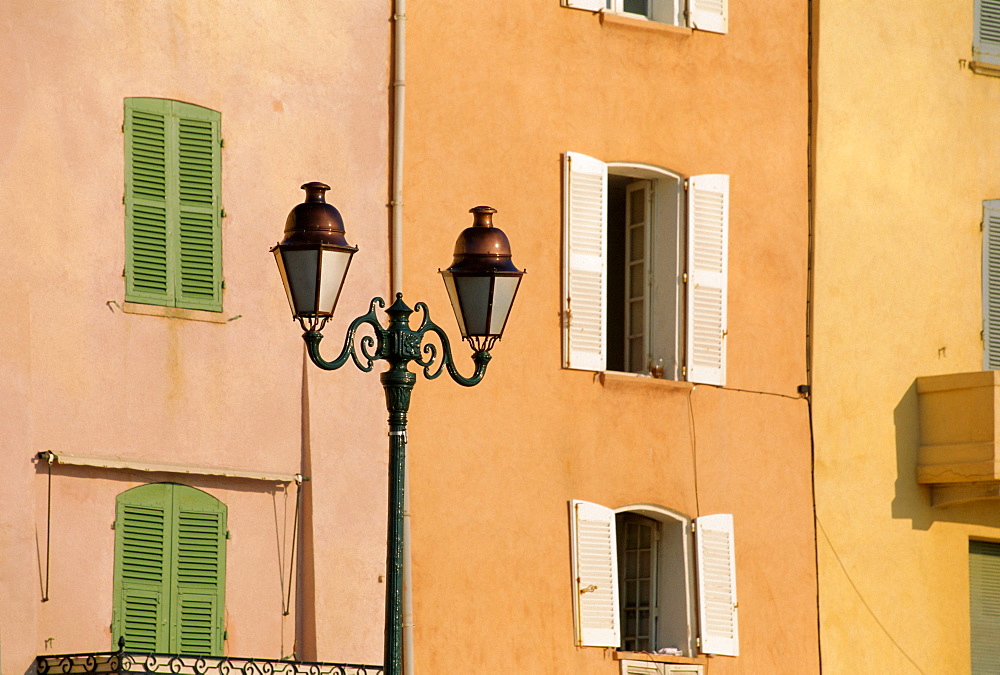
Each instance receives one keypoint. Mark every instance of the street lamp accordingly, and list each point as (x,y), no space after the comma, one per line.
(313,260)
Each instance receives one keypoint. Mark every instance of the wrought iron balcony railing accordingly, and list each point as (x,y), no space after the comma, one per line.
(136,663)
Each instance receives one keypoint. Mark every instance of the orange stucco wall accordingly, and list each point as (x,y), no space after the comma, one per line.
(496,92)
(81,375)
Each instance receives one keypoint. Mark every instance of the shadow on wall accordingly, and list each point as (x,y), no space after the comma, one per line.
(913,500)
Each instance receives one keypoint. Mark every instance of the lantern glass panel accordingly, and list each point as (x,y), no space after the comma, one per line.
(503,297)
(301,268)
(449,284)
(284,277)
(332,278)
(474,294)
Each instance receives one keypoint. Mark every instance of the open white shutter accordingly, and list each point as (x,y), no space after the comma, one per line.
(717,585)
(585,264)
(710,15)
(707,259)
(991,285)
(595,565)
(591,5)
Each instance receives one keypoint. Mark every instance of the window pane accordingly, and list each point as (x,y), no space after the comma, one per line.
(636,243)
(637,319)
(635,281)
(637,6)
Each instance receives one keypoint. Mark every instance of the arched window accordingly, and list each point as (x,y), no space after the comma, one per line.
(170,567)
(641,571)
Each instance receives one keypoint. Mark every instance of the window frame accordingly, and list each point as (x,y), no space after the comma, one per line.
(173,211)
(694,301)
(594,560)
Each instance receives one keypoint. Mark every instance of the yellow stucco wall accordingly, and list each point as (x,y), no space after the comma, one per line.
(496,92)
(906,148)
(80,375)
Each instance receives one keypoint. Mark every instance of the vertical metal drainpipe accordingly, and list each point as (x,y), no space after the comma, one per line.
(396,283)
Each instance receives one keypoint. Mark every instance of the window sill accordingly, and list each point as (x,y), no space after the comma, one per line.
(615,379)
(644,24)
(982,68)
(661,658)
(175,313)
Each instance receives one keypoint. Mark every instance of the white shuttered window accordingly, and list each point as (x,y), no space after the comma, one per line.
(596,604)
(652,319)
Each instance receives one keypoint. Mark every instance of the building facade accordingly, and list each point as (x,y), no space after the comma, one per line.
(175,476)
(906,112)
(639,450)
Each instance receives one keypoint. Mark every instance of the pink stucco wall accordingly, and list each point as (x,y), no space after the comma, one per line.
(301,87)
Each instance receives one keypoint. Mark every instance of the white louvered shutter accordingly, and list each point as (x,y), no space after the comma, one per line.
(986,41)
(991,285)
(589,5)
(585,264)
(710,15)
(595,564)
(717,585)
(707,260)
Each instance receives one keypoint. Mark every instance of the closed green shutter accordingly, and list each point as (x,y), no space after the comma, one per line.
(984,606)
(170,562)
(142,560)
(173,204)
(199,572)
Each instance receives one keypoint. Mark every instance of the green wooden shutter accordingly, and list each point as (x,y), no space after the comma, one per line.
(986,39)
(199,260)
(198,579)
(984,606)
(142,568)
(147,232)
(991,285)
(173,204)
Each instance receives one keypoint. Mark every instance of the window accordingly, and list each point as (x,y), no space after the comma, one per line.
(991,284)
(173,244)
(170,565)
(984,606)
(644,270)
(634,583)
(986,39)
(707,15)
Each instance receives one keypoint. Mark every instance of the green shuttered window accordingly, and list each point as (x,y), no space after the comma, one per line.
(986,42)
(170,563)
(991,285)
(172,204)
(984,606)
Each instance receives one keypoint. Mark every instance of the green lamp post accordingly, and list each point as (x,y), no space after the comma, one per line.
(313,260)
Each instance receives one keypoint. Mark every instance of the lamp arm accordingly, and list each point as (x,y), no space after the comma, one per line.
(368,344)
(481,358)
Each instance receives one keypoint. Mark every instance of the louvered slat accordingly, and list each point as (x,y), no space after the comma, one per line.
(984,606)
(141,620)
(991,285)
(585,262)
